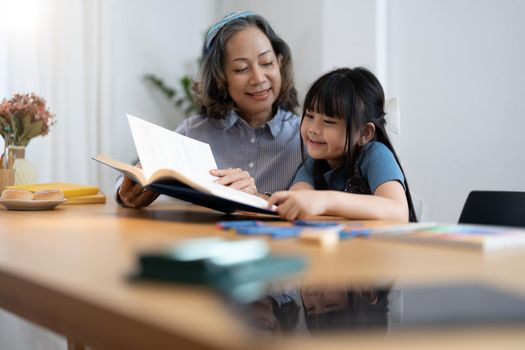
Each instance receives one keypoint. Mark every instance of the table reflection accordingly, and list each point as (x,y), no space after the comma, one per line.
(313,309)
(319,308)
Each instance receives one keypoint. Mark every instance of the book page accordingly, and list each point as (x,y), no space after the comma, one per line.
(132,171)
(239,196)
(160,148)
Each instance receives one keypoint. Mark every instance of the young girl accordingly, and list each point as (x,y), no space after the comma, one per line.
(351,163)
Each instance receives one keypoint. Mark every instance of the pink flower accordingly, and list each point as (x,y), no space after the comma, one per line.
(23,117)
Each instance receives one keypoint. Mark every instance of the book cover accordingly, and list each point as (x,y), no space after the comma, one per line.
(481,237)
(98,198)
(70,189)
(179,166)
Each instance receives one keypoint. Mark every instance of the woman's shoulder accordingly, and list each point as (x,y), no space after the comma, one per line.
(199,123)
(285,123)
(193,120)
(287,116)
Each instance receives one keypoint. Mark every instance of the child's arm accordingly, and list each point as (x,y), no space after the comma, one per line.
(301,186)
(387,203)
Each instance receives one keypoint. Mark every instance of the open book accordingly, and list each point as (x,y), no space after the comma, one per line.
(180,166)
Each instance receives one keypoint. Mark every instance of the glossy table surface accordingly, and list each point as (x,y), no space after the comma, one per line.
(66,269)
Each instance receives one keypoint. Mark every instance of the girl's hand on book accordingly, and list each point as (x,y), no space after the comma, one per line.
(293,205)
(133,195)
(235,178)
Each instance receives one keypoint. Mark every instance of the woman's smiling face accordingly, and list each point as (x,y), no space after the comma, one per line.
(252,73)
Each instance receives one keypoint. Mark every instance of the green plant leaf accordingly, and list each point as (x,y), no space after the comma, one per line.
(185,103)
(159,84)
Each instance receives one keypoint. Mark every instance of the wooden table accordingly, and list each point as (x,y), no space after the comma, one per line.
(66,270)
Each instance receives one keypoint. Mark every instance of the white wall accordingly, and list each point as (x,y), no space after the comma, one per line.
(349,34)
(161,37)
(108,54)
(458,68)
(139,37)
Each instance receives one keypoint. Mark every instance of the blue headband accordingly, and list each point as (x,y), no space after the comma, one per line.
(212,32)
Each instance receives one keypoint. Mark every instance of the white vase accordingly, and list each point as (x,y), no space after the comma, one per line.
(25,172)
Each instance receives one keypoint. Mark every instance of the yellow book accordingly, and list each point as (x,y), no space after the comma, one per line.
(98,198)
(70,190)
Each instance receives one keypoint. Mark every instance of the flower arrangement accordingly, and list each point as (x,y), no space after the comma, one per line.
(23,117)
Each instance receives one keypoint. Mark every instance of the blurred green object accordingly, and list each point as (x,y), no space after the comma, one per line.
(181,97)
(241,269)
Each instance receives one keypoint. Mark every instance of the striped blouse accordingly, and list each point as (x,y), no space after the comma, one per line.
(270,153)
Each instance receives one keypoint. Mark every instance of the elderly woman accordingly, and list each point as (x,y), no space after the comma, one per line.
(247,99)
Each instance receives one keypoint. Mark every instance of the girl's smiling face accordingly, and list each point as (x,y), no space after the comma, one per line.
(319,301)
(324,137)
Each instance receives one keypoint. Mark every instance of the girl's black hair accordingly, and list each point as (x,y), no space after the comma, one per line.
(356,96)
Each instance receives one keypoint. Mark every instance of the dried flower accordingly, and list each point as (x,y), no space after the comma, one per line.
(23,117)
